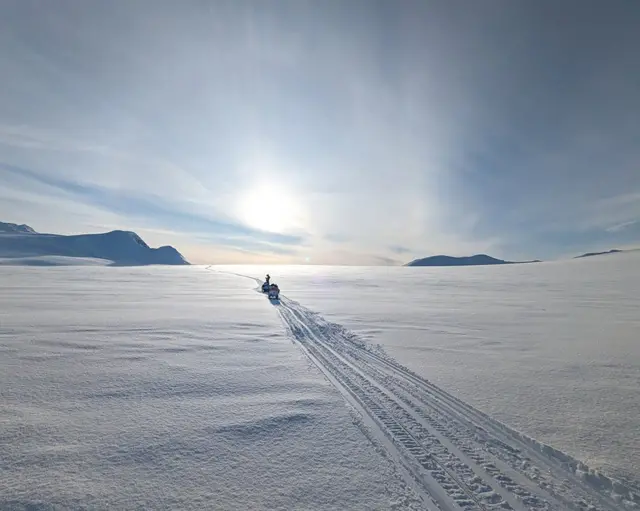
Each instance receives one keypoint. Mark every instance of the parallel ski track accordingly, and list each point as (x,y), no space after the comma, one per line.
(456,457)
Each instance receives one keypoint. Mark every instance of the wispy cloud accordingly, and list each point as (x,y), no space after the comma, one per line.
(338,238)
(171,215)
(397,249)
(622,226)
(387,261)
(339,132)
(28,137)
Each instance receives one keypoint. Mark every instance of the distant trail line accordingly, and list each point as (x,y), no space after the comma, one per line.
(453,456)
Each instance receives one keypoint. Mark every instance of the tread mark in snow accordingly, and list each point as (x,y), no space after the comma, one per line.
(453,455)
(456,457)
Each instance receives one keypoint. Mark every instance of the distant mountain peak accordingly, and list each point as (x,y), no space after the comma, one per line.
(128,235)
(119,247)
(16,228)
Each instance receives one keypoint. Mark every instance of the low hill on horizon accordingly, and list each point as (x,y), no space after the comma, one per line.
(22,245)
(592,254)
(475,260)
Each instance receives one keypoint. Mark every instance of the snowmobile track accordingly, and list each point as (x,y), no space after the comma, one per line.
(454,456)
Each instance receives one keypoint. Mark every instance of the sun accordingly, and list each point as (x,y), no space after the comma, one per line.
(269,208)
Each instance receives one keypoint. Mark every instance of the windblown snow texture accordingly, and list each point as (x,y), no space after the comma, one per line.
(189,389)
(454,456)
(169,388)
(550,349)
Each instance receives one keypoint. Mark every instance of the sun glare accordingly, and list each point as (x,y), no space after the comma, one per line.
(270,208)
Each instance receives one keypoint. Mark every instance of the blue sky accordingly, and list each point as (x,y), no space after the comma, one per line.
(330,132)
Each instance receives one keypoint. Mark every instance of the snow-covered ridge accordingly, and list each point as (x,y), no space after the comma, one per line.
(20,244)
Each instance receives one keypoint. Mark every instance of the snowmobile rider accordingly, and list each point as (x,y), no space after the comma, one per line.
(268,278)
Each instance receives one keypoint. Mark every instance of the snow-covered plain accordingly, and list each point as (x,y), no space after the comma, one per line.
(184,388)
(552,349)
(168,388)
(54,261)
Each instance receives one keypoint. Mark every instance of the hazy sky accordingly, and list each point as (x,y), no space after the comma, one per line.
(340,132)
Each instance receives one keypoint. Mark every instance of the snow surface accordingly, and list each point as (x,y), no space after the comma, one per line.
(54,261)
(186,388)
(168,388)
(549,348)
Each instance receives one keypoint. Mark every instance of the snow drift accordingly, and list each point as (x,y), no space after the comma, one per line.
(20,244)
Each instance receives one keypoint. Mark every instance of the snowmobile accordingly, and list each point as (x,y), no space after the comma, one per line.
(274,292)
(265,287)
